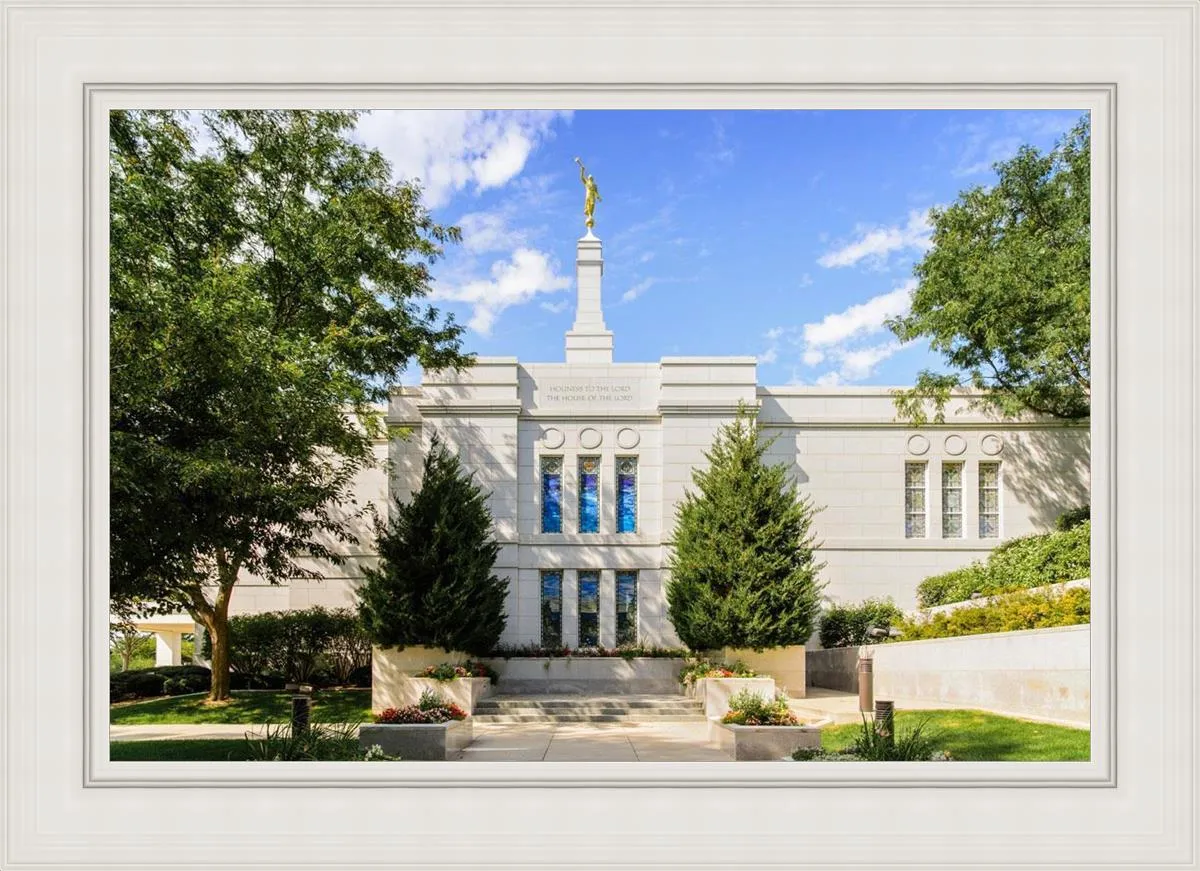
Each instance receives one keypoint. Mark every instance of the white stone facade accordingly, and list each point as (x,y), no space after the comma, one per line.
(844,446)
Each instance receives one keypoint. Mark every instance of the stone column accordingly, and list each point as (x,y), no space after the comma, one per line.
(588,341)
(608,608)
(167,647)
(570,608)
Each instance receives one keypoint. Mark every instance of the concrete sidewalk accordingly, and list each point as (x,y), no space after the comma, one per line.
(565,742)
(842,707)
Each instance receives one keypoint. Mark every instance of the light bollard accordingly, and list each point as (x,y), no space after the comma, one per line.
(301,707)
(866,683)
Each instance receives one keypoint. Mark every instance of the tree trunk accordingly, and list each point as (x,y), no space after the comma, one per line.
(215,619)
(218,633)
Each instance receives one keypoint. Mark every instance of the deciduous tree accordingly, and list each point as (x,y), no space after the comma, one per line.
(264,290)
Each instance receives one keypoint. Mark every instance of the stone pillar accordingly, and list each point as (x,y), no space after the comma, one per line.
(570,608)
(167,646)
(588,341)
(608,608)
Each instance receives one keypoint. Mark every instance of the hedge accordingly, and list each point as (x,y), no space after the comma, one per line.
(1010,613)
(847,625)
(316,646)
(164,680)
(1031,561)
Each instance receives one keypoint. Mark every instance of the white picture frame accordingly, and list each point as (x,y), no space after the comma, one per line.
(1133,66)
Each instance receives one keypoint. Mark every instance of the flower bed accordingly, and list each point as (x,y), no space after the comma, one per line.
(432,729)
(448,671)
(625,652)
(715,693)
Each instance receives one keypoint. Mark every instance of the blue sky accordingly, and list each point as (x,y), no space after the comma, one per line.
(788,235)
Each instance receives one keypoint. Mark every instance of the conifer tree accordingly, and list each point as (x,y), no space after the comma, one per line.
(743,570)
(434,584)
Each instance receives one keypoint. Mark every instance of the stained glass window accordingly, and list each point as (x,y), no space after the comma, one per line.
(952,504)
(589,609)
(989,500)
(627,608)
(627,494)
(589,494)
(914,500)
(552,494)
(551,609)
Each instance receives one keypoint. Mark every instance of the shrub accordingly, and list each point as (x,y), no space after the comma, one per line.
(631,651)
(320,742)
(1012,612)
(1074,517)
(750,709)
(434,584)
(847,625)
(471,668)
(295,646)
(431,708)
(151,682)
(914,744)
(743,568)
(1031,561)
(697,669)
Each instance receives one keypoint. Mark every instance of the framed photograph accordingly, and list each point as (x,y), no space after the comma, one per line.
(656,435)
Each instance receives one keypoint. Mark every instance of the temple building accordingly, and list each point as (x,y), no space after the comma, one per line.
(586,459)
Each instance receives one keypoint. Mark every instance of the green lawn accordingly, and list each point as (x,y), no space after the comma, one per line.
(203,750)
(329,706)
(979,737)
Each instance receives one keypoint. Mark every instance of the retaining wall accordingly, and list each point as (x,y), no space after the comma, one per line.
(1039,673)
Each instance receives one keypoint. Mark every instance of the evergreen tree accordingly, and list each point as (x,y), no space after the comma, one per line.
(434,584)
(743,572)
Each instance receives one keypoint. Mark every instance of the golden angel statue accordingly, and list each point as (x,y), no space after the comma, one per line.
(591,195)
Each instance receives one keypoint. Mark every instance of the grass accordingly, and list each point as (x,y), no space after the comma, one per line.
(200,750)
(978,737)
(329,706)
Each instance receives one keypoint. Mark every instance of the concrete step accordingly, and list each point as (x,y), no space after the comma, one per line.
(586,709)
(505,719)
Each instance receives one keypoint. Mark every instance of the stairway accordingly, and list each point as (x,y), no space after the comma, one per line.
(545,710)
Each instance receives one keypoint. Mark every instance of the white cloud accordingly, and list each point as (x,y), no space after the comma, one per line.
(859,320)
(638,289)
(518,280)
(841,342)
(489,231)
(806,280)
(556,307)
(768,356)
(875,244)
(813,357)
(646,257)
(859,363)
(449,150)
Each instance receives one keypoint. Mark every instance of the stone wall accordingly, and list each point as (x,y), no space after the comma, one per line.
(1038,673)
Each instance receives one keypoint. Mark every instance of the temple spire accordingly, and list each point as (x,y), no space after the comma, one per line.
(588,341)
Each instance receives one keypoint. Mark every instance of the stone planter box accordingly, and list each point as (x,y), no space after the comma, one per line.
(392,666)
(417,741)
(787,665)
(715,692)
(763,743)
(594,675)
(405,689)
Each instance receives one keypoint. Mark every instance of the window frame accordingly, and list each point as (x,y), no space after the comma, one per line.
(617,474)
(541,491)
(961,514)
(999,488)
(924,490)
